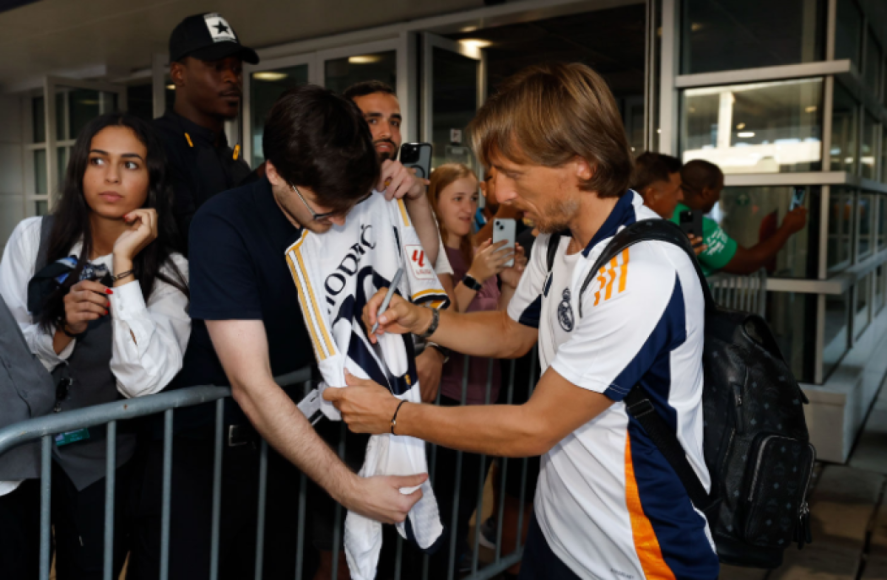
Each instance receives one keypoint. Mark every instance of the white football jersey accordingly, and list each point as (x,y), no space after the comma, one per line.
(336,273)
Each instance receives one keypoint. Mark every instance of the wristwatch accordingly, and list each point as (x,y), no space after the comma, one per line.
(472,283)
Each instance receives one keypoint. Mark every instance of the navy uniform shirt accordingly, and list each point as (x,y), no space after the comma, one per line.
(200,165)
(238,271)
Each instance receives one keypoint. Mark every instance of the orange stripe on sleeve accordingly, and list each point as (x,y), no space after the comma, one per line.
(612,273)
(645,542)
(602,278)
(623,271)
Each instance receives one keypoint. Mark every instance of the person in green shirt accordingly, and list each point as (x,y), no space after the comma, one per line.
(702,183)
(657,178)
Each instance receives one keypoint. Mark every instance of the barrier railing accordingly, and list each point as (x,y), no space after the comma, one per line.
(109,414)
(747,293)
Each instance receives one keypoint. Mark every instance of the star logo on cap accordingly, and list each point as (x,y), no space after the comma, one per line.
(219,29)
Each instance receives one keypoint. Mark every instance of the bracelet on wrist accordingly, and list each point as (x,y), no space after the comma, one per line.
(123,275)
(71,334)
(394,417)
(435,320)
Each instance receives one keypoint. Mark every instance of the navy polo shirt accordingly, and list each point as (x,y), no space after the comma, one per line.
(238,271)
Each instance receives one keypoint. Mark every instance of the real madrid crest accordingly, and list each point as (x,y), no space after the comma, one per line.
(565,312)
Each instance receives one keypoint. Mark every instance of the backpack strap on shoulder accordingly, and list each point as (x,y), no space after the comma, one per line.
(657,230)
(637,403)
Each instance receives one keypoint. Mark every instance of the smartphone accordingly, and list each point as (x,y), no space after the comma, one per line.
(417,156)
(504,229)
(691,222)
(798,197)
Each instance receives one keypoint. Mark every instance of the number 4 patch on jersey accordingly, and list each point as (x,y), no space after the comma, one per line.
(617,269)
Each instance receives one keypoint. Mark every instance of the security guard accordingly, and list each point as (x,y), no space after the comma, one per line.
(206,62)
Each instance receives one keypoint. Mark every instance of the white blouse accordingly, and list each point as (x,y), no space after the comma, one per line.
(149,339)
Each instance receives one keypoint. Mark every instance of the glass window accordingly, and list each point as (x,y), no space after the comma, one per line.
(873,58)
(83,106)
(751,215)
(140,101)
(454,86)
(840,228)
(41,207)
(868,145)
(62,164)
(848,31)
(865,211)
(38,123)
(792,317)
(880,288)
(61,116)
(861,309)
(837,320)
(753,33)
(882,221)
(40,178)
(884,153)
(755,128)
(341,73)
(844,127)
(265,88)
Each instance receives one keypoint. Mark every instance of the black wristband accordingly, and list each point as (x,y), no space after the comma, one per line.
(394,418)
(472,283)
(68,334)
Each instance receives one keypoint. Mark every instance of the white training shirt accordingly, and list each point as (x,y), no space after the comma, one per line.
(607,501)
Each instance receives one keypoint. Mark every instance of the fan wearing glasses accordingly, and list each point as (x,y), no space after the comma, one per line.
(248,329)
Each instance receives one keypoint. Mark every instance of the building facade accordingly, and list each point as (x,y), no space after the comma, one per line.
(781,95)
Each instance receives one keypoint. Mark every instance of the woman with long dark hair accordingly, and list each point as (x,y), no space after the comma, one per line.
(101,297)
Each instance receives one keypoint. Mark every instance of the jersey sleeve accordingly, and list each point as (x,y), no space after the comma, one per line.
(526,304)
(631,313)
(721,247)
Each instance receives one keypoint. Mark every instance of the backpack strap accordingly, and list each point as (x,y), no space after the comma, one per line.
(637,403)
(654,230)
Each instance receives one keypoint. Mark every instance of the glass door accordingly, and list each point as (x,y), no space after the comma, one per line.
(262,85)
(453,88)
(56,122)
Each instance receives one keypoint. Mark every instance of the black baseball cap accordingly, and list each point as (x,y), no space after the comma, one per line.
(207,37)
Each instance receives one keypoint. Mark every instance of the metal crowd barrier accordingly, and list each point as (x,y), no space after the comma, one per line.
(748,293)
(44,428)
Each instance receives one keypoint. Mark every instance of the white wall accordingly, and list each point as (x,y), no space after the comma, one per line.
(12,202)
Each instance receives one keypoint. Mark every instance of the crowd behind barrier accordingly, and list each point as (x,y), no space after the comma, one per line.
(113,414)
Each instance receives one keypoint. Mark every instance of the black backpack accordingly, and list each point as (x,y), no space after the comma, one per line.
(756,444)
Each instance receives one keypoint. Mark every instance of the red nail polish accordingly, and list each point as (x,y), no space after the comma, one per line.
(106,312)
(108,291)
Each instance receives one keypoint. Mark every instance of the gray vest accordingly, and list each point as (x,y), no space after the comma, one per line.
(26,391)
(92,383)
